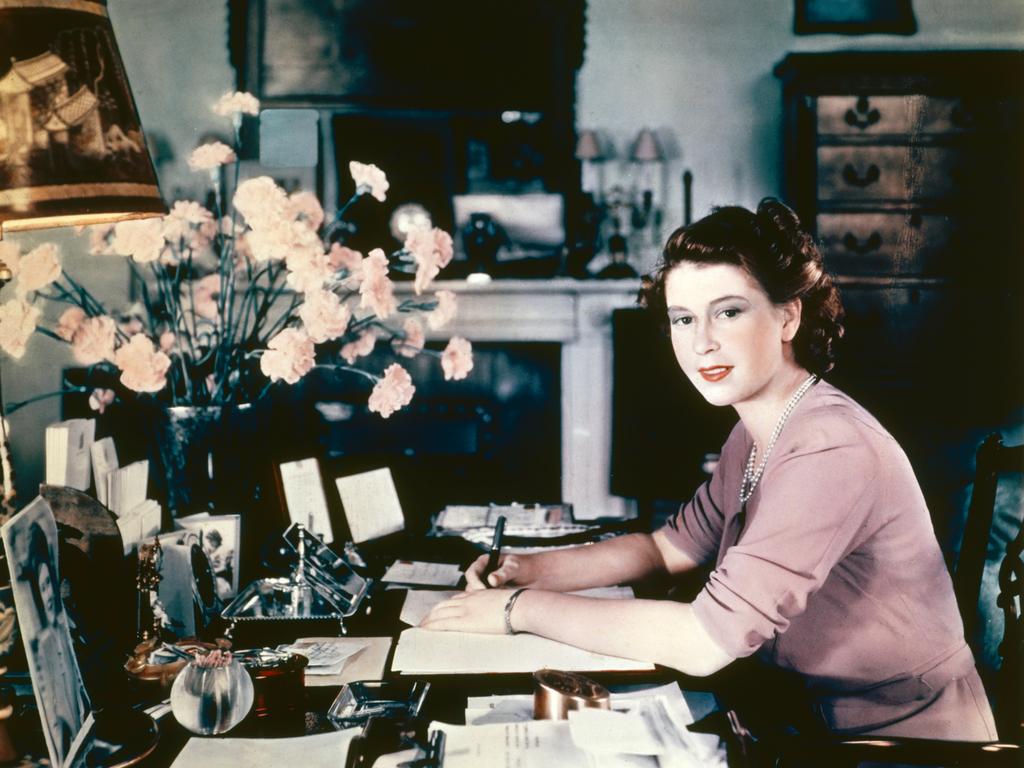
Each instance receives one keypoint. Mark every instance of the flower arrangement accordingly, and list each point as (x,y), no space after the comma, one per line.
(259,290)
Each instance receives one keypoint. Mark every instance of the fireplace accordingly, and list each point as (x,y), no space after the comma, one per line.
(532,423)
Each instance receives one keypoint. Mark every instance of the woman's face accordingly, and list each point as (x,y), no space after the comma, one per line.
(728,336)
(47,592)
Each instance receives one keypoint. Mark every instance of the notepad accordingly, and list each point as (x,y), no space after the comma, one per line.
(323,750)
(426,652)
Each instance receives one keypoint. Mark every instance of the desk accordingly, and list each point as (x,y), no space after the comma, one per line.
(446,700)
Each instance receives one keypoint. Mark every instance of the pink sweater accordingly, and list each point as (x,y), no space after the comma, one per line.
(835,573)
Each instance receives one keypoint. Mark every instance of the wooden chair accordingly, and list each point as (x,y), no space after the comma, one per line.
(993,459)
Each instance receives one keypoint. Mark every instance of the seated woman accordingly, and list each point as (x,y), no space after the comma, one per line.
(825,560)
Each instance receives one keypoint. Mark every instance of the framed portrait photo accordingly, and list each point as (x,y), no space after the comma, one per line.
(31,541)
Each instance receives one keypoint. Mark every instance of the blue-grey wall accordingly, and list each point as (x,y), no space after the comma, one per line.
(698,72)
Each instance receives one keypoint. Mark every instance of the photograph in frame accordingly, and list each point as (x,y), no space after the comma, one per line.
(219,537)
(31,541)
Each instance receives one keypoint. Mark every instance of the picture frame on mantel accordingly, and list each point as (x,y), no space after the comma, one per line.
(854,17)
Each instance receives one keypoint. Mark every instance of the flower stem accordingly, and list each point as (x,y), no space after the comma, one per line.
(12,407)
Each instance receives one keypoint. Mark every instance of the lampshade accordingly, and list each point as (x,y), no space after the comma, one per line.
(646,148)
(71,145)
(588,146)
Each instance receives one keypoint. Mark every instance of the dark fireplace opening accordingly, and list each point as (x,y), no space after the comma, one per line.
(493,437)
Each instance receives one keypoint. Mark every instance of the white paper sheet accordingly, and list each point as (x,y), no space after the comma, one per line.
(325,750)
(426,574)
(371,504)
(68,453)
(304,497)
(104,460)
(327,656)
(421,651)
(534,744)
(608,731)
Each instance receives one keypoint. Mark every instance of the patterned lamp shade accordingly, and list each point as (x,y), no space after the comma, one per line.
(71,145)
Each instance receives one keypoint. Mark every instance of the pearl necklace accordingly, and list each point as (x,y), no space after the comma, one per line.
(752,478)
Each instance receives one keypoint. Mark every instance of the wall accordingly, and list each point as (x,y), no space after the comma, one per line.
(698,72)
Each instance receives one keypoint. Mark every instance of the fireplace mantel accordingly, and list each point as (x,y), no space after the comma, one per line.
(576,314)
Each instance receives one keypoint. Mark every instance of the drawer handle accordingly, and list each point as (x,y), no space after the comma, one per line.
(851,177)
(865,115)
(851,243)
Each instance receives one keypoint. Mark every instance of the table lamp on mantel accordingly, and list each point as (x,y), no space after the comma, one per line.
(72,151)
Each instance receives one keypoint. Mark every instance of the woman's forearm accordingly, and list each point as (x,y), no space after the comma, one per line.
(621,560)
(658,631)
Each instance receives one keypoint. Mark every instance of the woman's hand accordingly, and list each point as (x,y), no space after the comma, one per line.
(482,610)
(508,572)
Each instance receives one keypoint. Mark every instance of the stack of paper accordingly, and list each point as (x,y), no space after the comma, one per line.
(323,750)
(424,574)
(424,652)
(327,656)
(140,522)
(643,727)
(126,487)
(68,445)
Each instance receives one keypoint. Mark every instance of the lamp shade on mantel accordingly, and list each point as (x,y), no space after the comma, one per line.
(72,150)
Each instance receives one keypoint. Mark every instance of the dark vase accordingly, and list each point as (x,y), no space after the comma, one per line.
(207,458)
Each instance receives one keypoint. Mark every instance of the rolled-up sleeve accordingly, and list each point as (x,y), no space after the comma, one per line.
(696,529)
(812,508)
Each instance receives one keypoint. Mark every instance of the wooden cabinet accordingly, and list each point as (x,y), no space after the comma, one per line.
(907,166)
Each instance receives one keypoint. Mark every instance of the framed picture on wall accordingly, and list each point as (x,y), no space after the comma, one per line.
(854,17)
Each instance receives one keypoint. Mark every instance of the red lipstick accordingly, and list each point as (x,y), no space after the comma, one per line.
(715,372)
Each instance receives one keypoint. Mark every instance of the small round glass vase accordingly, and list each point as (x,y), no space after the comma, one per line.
(213,699)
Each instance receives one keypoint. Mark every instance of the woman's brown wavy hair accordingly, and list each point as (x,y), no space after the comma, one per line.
(774,249)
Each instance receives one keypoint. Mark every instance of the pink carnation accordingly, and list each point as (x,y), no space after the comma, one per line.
(270,242)
(143,367)
(142,239)
(289,356)
(305,206)
(413,341)
(444,311)
(205,294)
(207,157)
(93,341)
(100,399)
(167,341)
(308,267)
(432,250)
(371,177)
(392,392)
(323,315)
(238,102)
(100,236)
(190,224)
(261,202)
(377,292)
(340,257)
(17,322)
(38,268)
(361,347)
(69,323)
(457,359)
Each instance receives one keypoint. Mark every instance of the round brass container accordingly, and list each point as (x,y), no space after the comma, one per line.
(557,693)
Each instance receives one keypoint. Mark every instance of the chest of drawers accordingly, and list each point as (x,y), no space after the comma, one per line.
(907,167)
